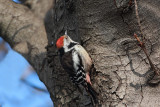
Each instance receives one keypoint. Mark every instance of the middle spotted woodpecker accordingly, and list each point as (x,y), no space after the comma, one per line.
(77,63)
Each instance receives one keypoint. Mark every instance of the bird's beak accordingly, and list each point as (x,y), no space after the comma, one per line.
(66,32)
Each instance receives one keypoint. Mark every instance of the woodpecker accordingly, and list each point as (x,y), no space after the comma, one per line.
(77,63)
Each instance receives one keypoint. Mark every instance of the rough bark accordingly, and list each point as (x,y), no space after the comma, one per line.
(105,28)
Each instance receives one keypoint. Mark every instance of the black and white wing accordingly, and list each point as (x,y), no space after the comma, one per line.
(86,60)
(72,63)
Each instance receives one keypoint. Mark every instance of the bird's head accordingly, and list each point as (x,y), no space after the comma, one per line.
(63,41)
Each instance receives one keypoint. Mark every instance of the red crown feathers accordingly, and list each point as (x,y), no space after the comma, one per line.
(59,42)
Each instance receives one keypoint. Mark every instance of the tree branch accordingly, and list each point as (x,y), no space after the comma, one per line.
(142,45)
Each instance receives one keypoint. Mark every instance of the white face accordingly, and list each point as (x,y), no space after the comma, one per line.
(66,42)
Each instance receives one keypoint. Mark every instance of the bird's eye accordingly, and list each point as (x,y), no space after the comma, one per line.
(66,37)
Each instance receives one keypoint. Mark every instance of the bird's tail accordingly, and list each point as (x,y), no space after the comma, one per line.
(93,93)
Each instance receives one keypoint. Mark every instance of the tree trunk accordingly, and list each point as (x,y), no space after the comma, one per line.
(105,28)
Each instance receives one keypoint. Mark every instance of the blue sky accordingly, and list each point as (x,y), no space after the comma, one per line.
(13,91)
(17,1)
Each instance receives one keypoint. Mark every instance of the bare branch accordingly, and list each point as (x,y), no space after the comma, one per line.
(138,20)
(142,45)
